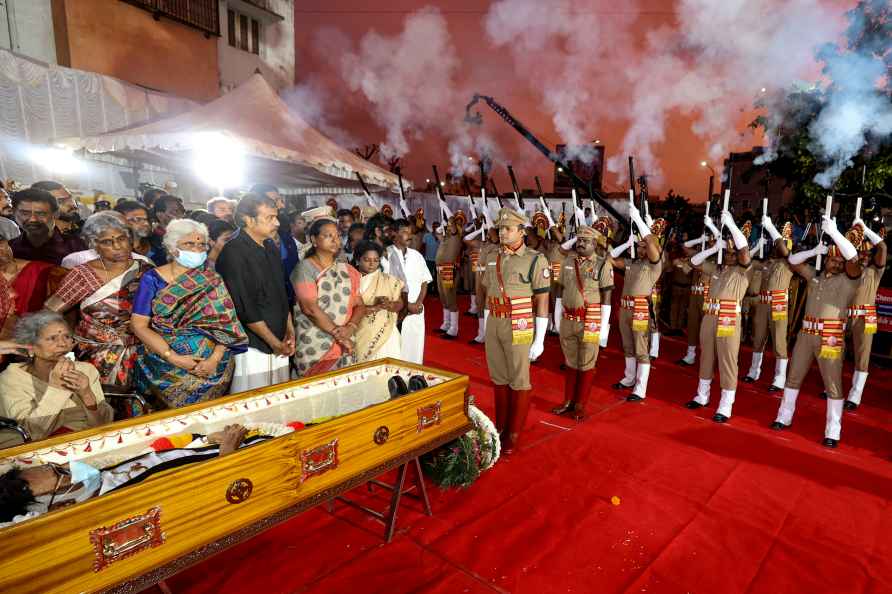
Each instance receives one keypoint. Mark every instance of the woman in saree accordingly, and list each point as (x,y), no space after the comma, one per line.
(328,304)
(377,335)
(24,284)
(186,322)
(104,290)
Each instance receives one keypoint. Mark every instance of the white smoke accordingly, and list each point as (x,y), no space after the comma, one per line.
(408,79)
(316,104)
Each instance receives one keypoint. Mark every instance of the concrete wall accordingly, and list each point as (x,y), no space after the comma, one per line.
(276,59)
(120,40)
(26,27)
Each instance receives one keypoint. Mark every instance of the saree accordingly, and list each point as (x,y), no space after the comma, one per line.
(26,293)
(377,336)
(336,290)
(193,314)
(103,333)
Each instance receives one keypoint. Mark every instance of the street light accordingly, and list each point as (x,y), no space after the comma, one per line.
(708,166)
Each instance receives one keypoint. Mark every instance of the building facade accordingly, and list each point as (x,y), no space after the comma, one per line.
(750,183)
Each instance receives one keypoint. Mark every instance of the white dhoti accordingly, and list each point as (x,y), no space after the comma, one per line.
(255,369)
(412,270)
(413,339)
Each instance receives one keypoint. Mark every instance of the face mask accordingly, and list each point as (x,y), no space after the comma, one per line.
(83,473)
(191,259)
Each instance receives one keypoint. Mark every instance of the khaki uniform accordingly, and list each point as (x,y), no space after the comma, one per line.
(524,273)
(828,299)
(751,299)
(728,287)
(700,280)
(681,292)
(863,305)
(641,276)
(595,273)
(776,277)
(448,254)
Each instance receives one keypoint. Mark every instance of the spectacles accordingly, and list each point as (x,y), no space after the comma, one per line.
(60,473)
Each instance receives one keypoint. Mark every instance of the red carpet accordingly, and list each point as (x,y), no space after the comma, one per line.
(704,507)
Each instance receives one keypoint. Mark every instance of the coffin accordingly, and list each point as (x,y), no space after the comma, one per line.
(138,535)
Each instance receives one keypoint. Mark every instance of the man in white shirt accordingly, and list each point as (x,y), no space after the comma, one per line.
(409,266)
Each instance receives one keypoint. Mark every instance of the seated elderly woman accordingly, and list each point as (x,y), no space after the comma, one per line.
(377,335)
(104,289)
(50,393)
(186,321)
(30,492)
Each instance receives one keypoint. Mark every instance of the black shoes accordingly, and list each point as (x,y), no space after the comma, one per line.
(621,386)
(566,406)
(684,363)
(823,395)
(693,405)
(634,398)
(773,388)
(748,380)
(778,426)
(850,406)
(830,443)
(397,387)
(417,382)
(719,418)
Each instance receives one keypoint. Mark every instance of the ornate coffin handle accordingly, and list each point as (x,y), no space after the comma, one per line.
(318,460)
(382,434)
(239,490)
(428,416)
(126,538)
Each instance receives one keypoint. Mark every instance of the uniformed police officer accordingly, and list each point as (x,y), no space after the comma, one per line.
(641,274)
(516,282)
(773,308)
(822,337)
(583,276)
(448,258)
(720,330)
(863,313)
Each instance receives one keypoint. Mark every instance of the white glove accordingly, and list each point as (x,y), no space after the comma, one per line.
(471,236)
(649,220)
(539,338)
(558,309)
(712,228)
(701,257)
(869,233)
(770,229)
(643,228)
(845,246)
(485,319)
(695,242)
(568,245)
(618,250)
(756,248)
(740,241)
(580,217)
(800,257)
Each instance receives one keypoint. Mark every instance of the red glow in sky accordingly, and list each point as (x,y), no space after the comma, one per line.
(492,72)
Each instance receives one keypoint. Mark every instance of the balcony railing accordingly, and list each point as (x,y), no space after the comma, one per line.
(203,15)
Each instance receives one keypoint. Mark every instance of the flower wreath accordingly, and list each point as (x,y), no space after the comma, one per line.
(460,462)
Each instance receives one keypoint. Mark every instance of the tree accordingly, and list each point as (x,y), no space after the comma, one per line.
(367,152)
(788,122)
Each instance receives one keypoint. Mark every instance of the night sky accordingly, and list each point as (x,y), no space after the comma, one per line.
(491,71)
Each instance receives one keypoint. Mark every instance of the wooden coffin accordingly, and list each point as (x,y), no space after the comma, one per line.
(138,535)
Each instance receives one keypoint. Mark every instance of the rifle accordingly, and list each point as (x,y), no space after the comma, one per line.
(828,206)
(631,200)
(403,206)
(518,199)
(472,210)
(721,237)
(444,208)
(495,191)
(365,189)
(487,219)
(762,229)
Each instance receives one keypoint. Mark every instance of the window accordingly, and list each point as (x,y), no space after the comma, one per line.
(244,32)
(203,15)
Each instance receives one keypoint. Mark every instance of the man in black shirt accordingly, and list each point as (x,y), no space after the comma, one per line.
(251,266)
(35,213)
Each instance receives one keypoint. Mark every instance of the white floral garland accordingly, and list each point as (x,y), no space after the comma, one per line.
(482,422)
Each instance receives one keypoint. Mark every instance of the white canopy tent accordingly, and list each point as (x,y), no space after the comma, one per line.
(278,146)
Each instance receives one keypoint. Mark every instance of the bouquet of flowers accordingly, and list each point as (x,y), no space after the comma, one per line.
(460,462)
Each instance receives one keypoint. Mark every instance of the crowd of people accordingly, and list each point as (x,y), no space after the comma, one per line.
(181,307)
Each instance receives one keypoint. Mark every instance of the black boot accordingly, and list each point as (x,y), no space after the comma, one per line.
(693,405)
